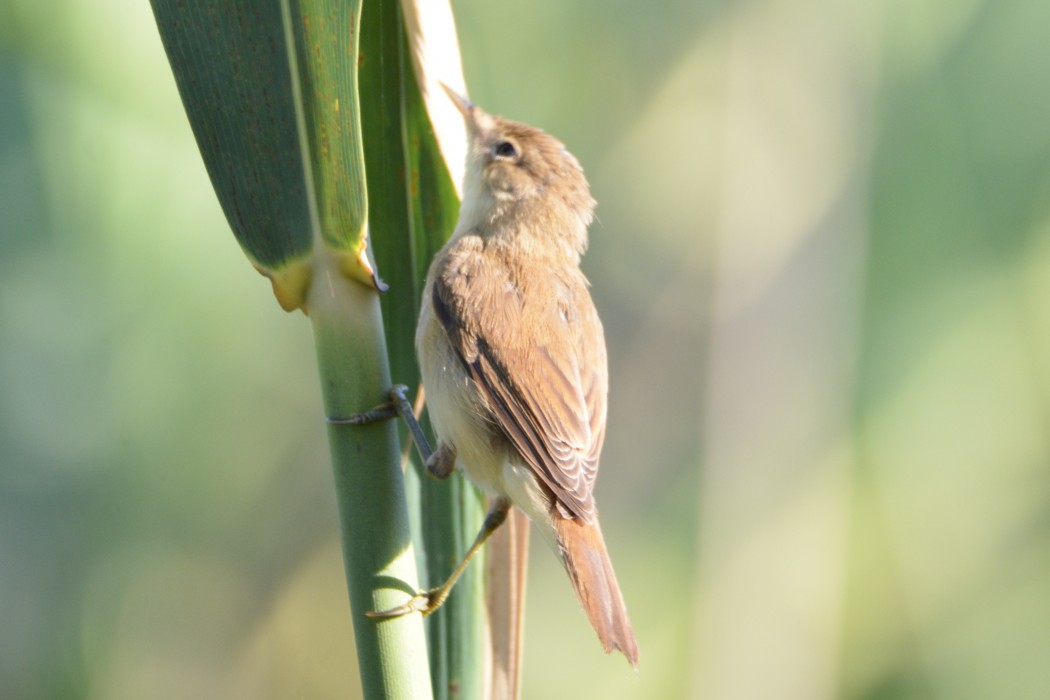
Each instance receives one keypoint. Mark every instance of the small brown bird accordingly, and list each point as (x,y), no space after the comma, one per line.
(513,356)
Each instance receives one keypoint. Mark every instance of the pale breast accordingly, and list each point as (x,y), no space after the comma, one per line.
(455,407)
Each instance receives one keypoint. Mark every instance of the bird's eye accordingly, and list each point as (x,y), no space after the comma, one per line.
(505,150)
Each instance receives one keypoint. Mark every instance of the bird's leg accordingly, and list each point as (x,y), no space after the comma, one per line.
(440,463)
(443,462)
(427,602)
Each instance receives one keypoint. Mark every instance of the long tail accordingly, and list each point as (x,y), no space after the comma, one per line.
(583,553)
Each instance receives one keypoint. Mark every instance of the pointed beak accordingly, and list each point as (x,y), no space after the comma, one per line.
(465,106)
(478,121)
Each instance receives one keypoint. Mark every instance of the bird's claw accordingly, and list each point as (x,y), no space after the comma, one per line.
(424,602)
(381,412)
(398,394)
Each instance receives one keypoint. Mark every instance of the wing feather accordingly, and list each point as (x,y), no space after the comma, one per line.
(534,347)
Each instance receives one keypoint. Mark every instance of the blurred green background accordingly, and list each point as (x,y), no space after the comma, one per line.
(823,263)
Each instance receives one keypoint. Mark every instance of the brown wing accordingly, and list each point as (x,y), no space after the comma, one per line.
(534,346)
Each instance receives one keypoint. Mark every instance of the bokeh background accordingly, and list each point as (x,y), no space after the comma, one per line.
(823,263)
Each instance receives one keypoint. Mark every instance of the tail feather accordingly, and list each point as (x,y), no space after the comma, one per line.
(587,562)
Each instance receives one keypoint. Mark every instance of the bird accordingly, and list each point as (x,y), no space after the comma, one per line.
(513,359)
